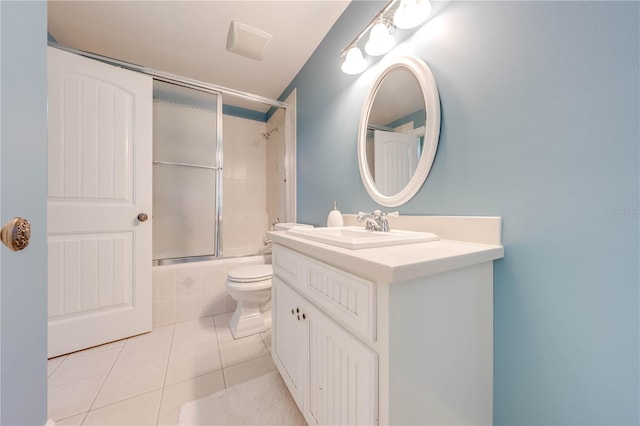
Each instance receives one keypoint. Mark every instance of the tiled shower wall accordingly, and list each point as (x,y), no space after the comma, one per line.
(188,291)
(244,211)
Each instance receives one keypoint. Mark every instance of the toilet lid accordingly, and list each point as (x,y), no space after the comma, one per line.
(252,273)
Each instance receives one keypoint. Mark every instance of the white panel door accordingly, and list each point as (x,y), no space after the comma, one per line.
(396,158)
(100,147)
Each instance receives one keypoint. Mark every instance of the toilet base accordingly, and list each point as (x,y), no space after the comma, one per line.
(248,321)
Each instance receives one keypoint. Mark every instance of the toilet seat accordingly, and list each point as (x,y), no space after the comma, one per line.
(247,278)
(256,285)
(250,274)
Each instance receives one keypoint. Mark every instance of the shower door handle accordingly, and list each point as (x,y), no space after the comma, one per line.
(142,217)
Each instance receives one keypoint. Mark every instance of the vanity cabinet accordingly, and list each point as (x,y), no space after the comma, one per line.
(331,374)
(392,335)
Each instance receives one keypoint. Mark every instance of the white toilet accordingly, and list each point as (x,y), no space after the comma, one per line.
(250,286)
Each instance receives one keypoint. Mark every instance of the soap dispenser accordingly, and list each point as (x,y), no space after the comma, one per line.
(335,217)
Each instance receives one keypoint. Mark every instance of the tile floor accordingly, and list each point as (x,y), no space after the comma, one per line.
(144,380)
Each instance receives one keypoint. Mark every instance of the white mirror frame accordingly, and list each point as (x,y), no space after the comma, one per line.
(432,132)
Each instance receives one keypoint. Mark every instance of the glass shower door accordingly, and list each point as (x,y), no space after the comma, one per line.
(185,172)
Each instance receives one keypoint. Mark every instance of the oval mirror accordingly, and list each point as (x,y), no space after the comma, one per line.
(399,131)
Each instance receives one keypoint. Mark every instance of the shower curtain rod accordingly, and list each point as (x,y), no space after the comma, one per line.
(173,78)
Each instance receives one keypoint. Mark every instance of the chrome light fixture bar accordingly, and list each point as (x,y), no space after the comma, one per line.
(404,14)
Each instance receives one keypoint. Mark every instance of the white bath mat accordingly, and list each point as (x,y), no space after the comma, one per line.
(262,401)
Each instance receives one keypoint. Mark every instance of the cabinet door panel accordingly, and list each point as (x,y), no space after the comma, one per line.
(290,338)
(343,387)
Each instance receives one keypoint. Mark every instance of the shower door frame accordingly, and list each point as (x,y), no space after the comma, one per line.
(290,144)
(217,168)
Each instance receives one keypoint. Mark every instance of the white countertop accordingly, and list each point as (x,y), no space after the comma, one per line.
(394,263)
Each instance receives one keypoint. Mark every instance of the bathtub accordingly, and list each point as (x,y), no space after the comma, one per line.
(188,291)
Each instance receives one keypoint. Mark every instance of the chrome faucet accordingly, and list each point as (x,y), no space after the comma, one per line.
(376,221)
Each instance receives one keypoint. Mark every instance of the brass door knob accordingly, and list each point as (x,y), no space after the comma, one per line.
(16,233)
(142,217)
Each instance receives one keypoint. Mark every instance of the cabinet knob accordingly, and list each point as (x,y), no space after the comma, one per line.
(298,310)
(292,311)
(298,317)
(304,316)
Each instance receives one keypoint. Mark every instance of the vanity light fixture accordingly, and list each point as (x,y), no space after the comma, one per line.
(354,62)
(411,13)
(404,14)
(380,39)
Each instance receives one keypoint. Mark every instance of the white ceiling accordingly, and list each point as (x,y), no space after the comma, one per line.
(188,38)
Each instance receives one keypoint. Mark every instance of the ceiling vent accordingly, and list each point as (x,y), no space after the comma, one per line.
(246,40)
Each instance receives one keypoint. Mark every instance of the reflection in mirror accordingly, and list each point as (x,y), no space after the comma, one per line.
(395,131)
(399,131)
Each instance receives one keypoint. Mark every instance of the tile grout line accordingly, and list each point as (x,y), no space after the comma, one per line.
(111,404)
(219,344)
(57,366)
(91,407)
(102,384)
(166,371)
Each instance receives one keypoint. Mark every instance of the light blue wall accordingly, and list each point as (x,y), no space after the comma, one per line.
(540,113)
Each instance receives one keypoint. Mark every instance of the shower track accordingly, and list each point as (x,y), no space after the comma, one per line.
(173,78)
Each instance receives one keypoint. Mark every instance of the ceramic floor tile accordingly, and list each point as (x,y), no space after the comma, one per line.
(157,333)
(249,370)
(196,340)
(266,338)
(222,327)
(193,325)
(143,352)
(140,410)
(83,367)
(222,319)
(242,350)
(175,396)
(191,364)
(72,398)
(54,363)
(130,382)
(107,346)
(187,354)
(71,421)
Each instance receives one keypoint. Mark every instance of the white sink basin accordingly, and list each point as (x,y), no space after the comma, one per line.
(356,237)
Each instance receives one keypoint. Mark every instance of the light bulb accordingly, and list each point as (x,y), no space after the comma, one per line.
(411,13)
(380,40)
(354,62)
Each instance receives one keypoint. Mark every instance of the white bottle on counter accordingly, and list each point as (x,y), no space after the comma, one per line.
(335,217)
